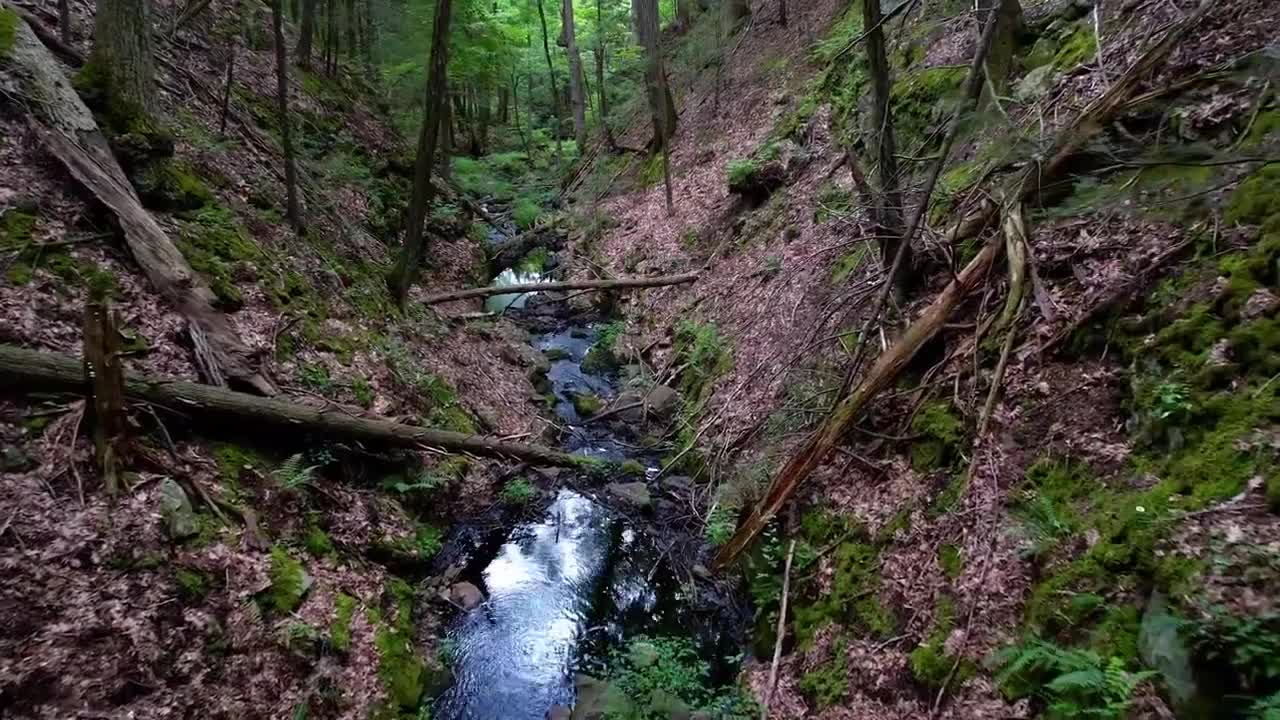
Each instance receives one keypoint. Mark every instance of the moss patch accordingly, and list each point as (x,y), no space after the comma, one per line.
(942,432)
(853,598)
(400,665)
(288,582)
(930,663)
(8,31)
(218,247)
(340,629)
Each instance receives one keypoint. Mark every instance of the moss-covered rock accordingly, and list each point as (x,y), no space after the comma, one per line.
(941,432)
(8,31)
(400,666)
(289,582)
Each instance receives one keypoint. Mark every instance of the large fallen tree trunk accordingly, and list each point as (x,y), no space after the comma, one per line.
(572,285)
(69,130)
(1023,187)
(30,370)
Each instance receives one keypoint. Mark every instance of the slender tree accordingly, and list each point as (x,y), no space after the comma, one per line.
(306,32)
(122,65)
(735,11)
(405,270)
(282,99)
(353,50)
(64,21)
(782,12)
(555,92)
(601,61)
(655,79)
(577,83)
(232,42)
(889,212)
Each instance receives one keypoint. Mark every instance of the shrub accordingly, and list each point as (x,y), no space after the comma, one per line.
(518,492)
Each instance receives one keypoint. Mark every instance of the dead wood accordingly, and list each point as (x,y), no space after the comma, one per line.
(641,282)
(29,370)
(106,381)
(780,631)
(69,130)
(69,54)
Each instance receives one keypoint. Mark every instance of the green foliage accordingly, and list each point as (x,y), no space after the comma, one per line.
(1257,199)
(317,542)
(930,664)
(287,582)
(400,665)
(292,474)
(848,264)
(16,226)
(518,492)
(193,584)
(942,432)
(526,213)
(1249,646)
(739,172)
(363,392)
(218,247)
(721,524)
(853,597)
(1073,683)
(8,30)
(951,559)
(1080,46)
(653,678)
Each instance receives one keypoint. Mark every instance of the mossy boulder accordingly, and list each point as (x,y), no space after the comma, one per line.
(587,404)
(289,583)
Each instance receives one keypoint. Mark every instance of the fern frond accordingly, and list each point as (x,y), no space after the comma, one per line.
(292,474)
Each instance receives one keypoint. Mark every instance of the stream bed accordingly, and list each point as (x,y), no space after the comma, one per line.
(571,585)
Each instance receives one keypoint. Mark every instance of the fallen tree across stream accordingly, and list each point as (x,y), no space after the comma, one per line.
(32,370)
(620,283)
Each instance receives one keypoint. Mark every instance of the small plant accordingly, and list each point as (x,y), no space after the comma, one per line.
(316,377)
(518,492)
(720,525)
(292,474)
(1171,399)
(1042,524)
(1073,683)
(739,172)
(659,675)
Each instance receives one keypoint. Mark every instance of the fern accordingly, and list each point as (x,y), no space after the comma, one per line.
(1043,524)
(292,474)
(1073,683)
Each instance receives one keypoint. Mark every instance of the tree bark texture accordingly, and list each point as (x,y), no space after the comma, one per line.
(122,60)
(64,21)
(555,93)
(306,32)
(618,284)
(577,83)
(405,270)
(105,378)
(24,371)
(292,211)
(661,105)
(67,127)
(889,209)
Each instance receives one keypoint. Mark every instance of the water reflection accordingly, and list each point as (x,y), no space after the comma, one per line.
(514,301)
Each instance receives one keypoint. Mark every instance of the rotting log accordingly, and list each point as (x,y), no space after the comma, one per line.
(621,283)
(105,378)
(69,130)
(32,370)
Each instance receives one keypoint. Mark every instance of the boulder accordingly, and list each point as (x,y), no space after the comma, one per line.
(593,698)
(465,595)
(13,459)
(176,511)
(586,404)
(1035,84)
(662,401)
(559,712)
(1261,303)
(635,494)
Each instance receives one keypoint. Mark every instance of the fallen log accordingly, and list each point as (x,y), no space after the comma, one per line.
(30,370)
(639,282)
(69,130)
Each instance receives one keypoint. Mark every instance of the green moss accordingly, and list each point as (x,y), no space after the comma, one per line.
(363,392)
(525,213)
(232,460)
(517,492)
(921,99)
(171,185)
(853,595)
(631,467)
(1116,634)
(1079,46)
(951,559)
(340,629)
(8,30)
(930,663)
(942,432)
(400,666)
(587,404)
(828,683)
(288,582)
(193,585)
(16,228)
(740,171)
(1257,199)
(19,274)
(218,247)
(848,264)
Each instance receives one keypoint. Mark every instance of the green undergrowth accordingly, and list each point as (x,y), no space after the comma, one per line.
(705,355)
(930,663)
(401,667)
(940,436)
(8,31)
(655,678)
(288,582)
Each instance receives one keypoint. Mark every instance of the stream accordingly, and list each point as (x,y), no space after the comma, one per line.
(569,586)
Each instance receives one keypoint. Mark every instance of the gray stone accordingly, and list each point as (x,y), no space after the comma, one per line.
(635,494)
(14,460)
(1261,303)
(175,509)
(662,401)
(559,712)
(1035,84)
(465,595)
(593,698)
(678,484)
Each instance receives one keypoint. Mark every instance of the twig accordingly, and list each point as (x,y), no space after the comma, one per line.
(781,633)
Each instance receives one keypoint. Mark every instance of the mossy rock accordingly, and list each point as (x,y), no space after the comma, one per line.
(16,227)
(1079,46)
(587,404)
(289,583)
(170,186)
(600,360)
(941,433)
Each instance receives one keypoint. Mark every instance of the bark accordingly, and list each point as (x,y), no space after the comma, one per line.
(446,139)
(601,62)
(661,105)
(621,283)
(577,83)
(684,15)
(51,40)
(331,38)
(889,208)
(405,270)
(105,377)
(782,13)
(504,104)
(67,127)
(555,93)
(1004,43)
(306,32)
(24,371)
(64,21)
(292,211)
(122,61)
(232,42)
(353,49)
(1024,187)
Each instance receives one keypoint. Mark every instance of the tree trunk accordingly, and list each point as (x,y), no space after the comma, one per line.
(735,11)
(782,13)
(102,367)
(483,114)
(292,211)
(68,129)
(27,370)
(231,70)
(555,93)
(661,105)
(577,83)
(306,32)
(889,210)
(405,270)
(122,64)
(353,50)
(619,283)
(601,62)
(684,15)
(331,39)
(1007,14)
(64,21)
(446,139)
(504,104)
